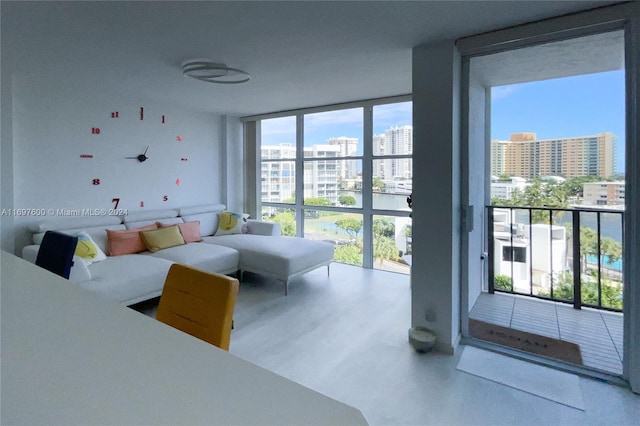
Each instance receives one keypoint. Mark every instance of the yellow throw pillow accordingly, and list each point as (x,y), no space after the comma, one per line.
(162,238)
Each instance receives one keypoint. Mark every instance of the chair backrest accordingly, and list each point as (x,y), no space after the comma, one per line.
(56,253)
(199,303)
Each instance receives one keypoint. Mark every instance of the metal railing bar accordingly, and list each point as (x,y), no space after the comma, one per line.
(577,270)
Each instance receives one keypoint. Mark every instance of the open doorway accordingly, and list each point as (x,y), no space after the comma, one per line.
(550,120)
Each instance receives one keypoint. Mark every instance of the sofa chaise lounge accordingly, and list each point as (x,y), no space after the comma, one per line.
(132,278)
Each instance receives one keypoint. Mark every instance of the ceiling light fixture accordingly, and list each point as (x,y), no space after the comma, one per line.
(212,72)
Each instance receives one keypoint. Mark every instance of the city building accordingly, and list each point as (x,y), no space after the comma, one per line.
(278,177)
(396,140)
(502,189)
(279,180)
(603,193)
(347,169)
(530,254)
(524,155)
(321,176)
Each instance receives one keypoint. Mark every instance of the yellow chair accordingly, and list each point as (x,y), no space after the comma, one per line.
(199,303)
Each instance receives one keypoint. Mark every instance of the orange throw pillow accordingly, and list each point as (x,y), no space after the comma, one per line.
(190,230)
(127,241)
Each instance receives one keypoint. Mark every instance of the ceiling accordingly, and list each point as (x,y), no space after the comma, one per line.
(299,54)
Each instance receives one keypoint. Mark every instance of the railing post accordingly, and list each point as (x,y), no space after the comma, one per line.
(491,248)
(577,289)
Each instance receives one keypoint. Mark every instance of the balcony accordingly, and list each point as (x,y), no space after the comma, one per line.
(558,273)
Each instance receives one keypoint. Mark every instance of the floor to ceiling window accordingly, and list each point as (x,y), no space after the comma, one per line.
(342,175)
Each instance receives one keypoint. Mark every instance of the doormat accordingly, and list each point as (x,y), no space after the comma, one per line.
(527,342)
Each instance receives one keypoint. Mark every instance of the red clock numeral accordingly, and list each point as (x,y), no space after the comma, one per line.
(179,138)
(117,201)
(141,203)
(95,130)
(115,114)
(178,181)
(96,181)
(86,156)
(165,198)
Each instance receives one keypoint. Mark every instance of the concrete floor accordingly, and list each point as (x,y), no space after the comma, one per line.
(346,337)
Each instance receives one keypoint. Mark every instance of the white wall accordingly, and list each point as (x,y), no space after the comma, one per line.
(52,125)
(435,275)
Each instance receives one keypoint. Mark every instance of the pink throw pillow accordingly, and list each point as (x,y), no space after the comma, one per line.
(127,241)
(190,230)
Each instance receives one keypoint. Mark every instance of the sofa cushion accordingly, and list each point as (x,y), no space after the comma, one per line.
(126,242)
(208,222)
(190,230)
(97,234)
(277,256)
(129,278)
(162,238)
(209,257)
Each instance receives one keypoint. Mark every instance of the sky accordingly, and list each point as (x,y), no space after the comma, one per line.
(319,127)
(571,106)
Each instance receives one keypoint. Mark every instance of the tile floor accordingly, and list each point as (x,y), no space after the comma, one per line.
(599,333)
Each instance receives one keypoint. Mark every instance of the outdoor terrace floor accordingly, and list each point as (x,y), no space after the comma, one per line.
(598,333)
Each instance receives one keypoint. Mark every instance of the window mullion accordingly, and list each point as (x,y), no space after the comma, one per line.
(367,192)
(299,161)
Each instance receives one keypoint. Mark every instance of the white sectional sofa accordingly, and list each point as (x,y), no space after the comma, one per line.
(132,278)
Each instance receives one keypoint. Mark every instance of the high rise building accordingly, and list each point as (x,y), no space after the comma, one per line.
(525,156)
(395,141)
(347,169)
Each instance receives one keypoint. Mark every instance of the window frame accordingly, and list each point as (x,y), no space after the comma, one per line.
(252,124)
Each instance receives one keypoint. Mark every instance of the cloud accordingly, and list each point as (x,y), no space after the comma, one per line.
(278,130)
(502,92)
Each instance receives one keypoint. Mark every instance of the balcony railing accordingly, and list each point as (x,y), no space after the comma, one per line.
(567,255)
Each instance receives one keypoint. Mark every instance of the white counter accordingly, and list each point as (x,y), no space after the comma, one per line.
(71,357)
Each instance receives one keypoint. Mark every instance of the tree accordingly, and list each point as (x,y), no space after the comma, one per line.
(347,200)
(350,254)
(378,185)
(384,248)
(384,228)
(350,226)
(317,201)
(502,282)
(287,223)
(538,194)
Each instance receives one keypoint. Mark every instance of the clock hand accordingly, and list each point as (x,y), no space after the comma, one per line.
(145,151)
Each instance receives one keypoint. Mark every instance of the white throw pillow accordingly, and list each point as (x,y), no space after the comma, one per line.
(230,223)
(88,250)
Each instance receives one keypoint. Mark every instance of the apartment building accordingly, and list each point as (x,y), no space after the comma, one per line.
(347,169)
(524,155)
(320,176)
(603,193)
(397,140)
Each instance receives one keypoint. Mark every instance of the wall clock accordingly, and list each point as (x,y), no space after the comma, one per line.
(126,121)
